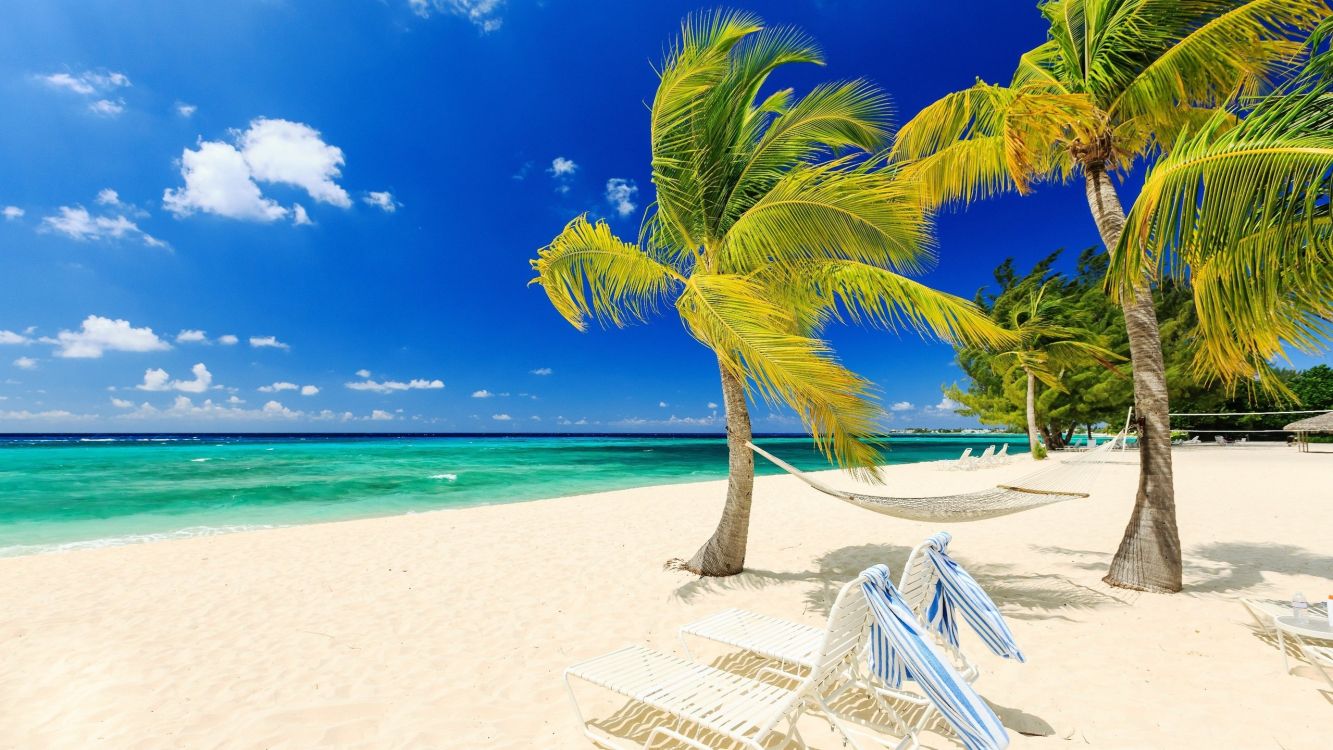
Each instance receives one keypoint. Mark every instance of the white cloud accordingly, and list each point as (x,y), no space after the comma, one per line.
(562,167)
(299,216)
(9,337)
(672,421)
(86,83)
(271,342)
(235,400)
(218,181)
(712,405)
(363,373)
(275,408)
(228,339)
(223,178)
(309,390)
(379,415)
(383,200)
(157,379)
(278,387)
(202,380)
(98,334)
(190,336)
(484,14)
(13,212)
(121,403)
(293,153)
(620,194)
(108,197)
(186,110)
(392,386)
(541,371)
(75,222)
(902,406)
(67,81)
(25,363)
(107,108)
(183,407)
(947,404)
(483,393)
(501,417)
(56,414)
(662,404)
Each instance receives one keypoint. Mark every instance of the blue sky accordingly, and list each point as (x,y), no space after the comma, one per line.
(269,215)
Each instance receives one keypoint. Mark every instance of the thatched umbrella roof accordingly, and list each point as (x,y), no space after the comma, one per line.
(1317,423)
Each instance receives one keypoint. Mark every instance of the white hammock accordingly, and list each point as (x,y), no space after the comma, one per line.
(1060,480)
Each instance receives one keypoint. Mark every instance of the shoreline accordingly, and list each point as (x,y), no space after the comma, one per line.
(200,486)
(415,631)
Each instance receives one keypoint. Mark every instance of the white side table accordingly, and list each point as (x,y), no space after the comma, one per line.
(1317,628)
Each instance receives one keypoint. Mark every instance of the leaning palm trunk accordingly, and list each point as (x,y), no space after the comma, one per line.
(1149,555)
(724,552)
(1032,416)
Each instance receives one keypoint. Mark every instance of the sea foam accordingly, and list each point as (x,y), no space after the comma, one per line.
(120,541)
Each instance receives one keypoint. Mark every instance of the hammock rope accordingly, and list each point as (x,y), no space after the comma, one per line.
(1062,480)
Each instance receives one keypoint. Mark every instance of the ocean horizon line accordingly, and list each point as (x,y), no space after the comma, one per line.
(304,434)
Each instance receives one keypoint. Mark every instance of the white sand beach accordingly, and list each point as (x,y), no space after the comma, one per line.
(451,629)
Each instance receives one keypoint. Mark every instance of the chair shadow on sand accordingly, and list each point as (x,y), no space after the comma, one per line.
(634,721)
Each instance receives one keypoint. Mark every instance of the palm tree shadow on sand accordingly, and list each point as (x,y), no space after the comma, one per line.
(1020,594)
(1218,567)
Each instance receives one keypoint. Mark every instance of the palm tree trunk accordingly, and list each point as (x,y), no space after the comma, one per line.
(1149,555)
(1032,415)
(724,553)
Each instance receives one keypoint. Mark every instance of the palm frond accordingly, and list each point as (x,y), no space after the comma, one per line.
(990,139)
(877,297)
(1233,52)
(730,120)
(830,118)
(838,209)
(735,317)
(696,63)
(589,272)
(1243,211)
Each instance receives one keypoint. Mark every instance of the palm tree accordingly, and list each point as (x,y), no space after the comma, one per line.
(1243,211)
(773,218)
(1115,82)
(1045,349)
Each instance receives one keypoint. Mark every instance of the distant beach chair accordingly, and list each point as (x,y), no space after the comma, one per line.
(965,460)
(1003,456)
(986,458)
(1219,440)
(1196,440)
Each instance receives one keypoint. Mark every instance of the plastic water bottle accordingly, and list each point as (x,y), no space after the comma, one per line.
(1299,607)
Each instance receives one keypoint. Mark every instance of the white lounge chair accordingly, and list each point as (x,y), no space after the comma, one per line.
(792,644)
(746,711)
(1003,456)
(965,460)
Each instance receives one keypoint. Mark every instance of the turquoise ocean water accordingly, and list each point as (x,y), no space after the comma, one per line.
(69,492)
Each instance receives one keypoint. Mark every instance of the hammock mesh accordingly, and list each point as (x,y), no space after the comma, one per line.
(1061,480)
